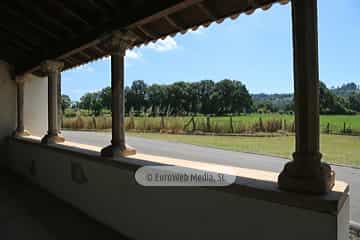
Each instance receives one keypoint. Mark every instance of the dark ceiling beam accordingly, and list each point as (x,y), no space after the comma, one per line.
(110,3)
(173,23)
(32,7)
(146,32)
(123,19)
(16,35)
(97,6)
(206,11)
(179,5)
(70,12)
(27,21)
(99,50)
(84,54)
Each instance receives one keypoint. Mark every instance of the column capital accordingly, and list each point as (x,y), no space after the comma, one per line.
(50,66)
(119,41)
(20,79)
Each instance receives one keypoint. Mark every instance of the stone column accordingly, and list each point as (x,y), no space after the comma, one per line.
(117,44)
(306,173)
(53,70)
(20,130)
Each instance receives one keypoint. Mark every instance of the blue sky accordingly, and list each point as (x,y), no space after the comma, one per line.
(255,49)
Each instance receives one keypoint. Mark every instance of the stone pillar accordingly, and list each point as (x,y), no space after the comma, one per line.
(20,130)
(306,173)
(53,70)
(117,44)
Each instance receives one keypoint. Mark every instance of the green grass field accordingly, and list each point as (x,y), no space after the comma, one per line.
(343,150)
(250,123)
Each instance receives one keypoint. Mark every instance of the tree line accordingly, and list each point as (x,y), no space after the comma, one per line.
(208,97)
(179,98)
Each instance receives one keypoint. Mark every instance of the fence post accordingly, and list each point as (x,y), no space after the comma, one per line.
(193,124)
(328,128)
(231,124)
(344,130)
(162,123)
(208,126)
(94,121)
(261,125)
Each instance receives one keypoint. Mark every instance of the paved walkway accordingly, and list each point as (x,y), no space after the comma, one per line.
(239,159)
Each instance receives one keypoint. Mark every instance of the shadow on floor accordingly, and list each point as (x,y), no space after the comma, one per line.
(28,212)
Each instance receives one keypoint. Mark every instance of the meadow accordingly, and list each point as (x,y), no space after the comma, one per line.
(282,124)
(271,134)
(336,149)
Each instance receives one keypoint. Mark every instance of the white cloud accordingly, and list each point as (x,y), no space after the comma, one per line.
(198,31)
(84,68)
(164,45)
(131,54)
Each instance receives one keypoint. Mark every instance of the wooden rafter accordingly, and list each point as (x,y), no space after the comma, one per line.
(27,20)
(173,23)
(206,11)
(36,10)
(70,12)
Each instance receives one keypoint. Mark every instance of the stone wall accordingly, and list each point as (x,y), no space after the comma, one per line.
(36,105)
(107,191)
(7,108)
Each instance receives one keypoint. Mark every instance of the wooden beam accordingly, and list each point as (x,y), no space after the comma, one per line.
(27,21)
(123,19)
(146,32)
(206,11)
(70,12)
(173,23)
(84,54)
(36,10)
(14,34)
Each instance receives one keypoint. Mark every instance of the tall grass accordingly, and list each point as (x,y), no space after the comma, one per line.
(229,125)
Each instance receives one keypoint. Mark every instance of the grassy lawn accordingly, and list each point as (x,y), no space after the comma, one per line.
(336,149)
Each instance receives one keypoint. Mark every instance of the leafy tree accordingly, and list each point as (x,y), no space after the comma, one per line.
(136,95)
(65,102)
(330,103)
(354,102)
(106,97)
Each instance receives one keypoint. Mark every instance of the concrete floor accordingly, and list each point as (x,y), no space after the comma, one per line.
(27,212)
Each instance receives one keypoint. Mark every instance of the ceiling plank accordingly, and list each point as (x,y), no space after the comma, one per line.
(206,11)
(73,44)
(173,23)
(35,10)
(27,21)
(146,32)
(70,12)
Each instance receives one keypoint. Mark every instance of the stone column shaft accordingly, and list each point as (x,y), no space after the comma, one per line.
(117,90)
(20,129)
(306,173)
(53,69)
(117,44)
(20,106)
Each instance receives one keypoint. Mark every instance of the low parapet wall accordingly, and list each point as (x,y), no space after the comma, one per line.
(252,208)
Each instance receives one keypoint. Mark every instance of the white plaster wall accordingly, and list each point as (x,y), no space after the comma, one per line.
(8,108)
(112,196)
(36,104)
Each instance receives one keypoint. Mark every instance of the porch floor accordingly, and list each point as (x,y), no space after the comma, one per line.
(28,212)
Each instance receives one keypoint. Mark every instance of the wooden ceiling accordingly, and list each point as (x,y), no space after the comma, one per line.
(72,30)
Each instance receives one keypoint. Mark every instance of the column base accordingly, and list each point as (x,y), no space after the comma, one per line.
(21,133)
(52,139)
(117,151)
(292,179)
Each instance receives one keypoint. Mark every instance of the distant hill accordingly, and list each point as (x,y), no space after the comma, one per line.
(346,89)
(336,96)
